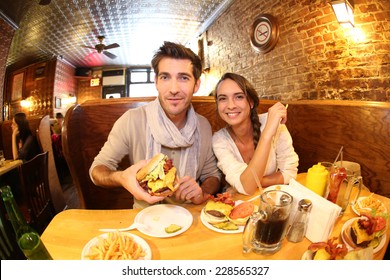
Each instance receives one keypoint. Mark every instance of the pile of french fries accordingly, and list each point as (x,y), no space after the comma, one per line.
(115,247)
(371,203)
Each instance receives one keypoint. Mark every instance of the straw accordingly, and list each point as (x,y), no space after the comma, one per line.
(338,155)
(286,106)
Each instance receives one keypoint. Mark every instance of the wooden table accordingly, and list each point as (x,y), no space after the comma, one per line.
(70,230)
(9,165)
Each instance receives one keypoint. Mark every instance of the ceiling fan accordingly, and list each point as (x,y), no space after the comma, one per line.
(101,48)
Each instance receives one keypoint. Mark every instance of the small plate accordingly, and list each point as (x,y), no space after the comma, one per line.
(381,208)
(307,255)
(209,226)
(94,241)
(349,247)
(160,216)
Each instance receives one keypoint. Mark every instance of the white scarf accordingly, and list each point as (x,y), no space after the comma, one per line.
(161,131)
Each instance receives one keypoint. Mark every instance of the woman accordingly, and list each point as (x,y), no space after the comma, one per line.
(251,144)
(24,144)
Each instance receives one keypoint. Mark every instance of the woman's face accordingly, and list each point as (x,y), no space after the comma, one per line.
(233,105)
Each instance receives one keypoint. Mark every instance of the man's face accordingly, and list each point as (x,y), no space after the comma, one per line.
(176,85)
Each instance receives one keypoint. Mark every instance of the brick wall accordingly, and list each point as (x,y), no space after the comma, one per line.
(315,58)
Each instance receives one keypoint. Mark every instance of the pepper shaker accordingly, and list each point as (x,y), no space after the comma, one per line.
(298,228)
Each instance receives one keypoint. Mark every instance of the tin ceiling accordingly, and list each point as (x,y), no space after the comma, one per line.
(64,27)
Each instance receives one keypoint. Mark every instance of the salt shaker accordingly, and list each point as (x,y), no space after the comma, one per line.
(298,228)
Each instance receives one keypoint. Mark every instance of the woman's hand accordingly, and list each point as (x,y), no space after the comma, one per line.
(277,114)
(15,131)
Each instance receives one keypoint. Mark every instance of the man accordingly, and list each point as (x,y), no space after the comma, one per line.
(169,125)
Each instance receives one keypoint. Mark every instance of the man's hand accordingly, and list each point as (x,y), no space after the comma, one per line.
(129,182)
(189,190)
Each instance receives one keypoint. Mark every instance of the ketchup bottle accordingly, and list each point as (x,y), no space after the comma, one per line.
(337,176)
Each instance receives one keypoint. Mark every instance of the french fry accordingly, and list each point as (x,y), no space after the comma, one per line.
(116,247)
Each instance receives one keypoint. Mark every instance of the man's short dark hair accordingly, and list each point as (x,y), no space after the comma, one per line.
(177,51)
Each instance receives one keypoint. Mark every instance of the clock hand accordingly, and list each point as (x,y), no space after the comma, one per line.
(263,33)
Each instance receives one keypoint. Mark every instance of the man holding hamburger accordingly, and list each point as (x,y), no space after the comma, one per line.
(168,125)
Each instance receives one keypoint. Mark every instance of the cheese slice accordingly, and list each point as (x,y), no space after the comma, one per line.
(361,234)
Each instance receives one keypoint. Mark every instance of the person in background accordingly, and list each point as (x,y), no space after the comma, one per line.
(57,126)
(56,129)
(24,147)
(24,143)
(168,125)
(56,139)
(251,144)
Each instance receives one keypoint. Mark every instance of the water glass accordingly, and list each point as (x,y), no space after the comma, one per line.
(2,158)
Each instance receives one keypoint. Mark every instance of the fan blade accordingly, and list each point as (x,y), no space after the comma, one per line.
(115,45)
(89,47)
(110,55)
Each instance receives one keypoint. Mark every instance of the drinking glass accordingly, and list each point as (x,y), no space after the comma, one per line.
(265,229)
(2,158)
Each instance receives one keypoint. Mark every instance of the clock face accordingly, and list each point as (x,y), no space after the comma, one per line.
(262,32)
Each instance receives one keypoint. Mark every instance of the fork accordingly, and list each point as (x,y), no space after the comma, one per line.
(131,227)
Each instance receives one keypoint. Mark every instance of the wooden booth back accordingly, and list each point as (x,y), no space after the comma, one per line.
(318,128)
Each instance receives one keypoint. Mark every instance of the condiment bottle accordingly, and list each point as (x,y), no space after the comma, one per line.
(317,179)
(298,228)
(28,239)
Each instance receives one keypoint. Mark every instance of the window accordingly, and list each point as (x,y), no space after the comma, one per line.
(141,82)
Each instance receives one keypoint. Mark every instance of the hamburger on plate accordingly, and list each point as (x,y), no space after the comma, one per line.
(331,250)
(223,213)
(158,176)
(365,231)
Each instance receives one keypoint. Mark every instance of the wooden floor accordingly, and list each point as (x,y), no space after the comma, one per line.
(70,192)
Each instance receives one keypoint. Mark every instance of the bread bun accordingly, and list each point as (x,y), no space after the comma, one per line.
(346,234)
(155,178)
(150,166)
(212,220)
(216,211)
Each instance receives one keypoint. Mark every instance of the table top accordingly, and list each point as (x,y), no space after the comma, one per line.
(70,230)
(9,165)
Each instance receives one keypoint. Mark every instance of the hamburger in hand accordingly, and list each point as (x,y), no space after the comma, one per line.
(366,231)
(158,177)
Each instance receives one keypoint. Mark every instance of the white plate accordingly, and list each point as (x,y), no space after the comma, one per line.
(94,241)
(356,207)
(209,226)
(347,224)
(160,216)
(307,255)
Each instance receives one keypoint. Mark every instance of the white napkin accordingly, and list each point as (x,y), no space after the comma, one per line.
(323,214)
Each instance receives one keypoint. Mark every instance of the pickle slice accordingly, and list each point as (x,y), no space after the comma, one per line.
(172,228)
(226,226)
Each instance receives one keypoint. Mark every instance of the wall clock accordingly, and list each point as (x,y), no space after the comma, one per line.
(264,33)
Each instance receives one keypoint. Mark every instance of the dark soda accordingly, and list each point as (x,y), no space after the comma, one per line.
(270,232)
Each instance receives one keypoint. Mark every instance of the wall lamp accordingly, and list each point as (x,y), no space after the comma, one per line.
(343,10)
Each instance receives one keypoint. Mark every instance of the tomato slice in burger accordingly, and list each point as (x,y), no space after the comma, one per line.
(242,210)
(380,223)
